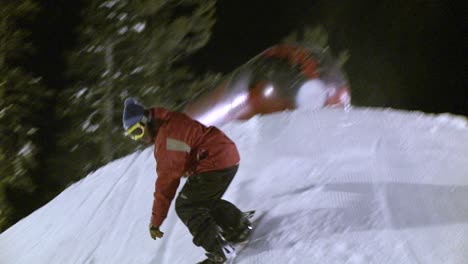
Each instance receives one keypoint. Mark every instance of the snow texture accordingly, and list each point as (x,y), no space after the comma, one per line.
(357,186)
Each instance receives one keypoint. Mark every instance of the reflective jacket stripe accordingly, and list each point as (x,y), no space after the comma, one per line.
(177,145)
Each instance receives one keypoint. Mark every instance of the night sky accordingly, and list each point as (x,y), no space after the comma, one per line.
(410,57)
(53,36)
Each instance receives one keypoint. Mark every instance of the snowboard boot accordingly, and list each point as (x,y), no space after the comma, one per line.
(221,255)
(240,233)
(212,259)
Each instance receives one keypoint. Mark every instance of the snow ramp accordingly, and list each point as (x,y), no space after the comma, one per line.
(357,186)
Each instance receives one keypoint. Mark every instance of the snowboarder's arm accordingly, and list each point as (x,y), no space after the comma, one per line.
(166,188)
(170,167)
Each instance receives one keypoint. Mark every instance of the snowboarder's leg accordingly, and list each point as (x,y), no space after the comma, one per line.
(204,230)
(235,226)
(194,206)
(226,214)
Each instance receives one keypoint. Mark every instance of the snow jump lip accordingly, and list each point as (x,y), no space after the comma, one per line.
(273,81)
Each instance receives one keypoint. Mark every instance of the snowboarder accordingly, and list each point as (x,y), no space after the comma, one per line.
(209,160)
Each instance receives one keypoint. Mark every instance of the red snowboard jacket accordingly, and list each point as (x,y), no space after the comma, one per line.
(184,147)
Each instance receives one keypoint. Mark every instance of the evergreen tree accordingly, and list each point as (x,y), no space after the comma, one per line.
(128,48)
(21,100)
(316,40)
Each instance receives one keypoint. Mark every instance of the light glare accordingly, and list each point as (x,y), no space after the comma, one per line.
(220,111)
(268,91)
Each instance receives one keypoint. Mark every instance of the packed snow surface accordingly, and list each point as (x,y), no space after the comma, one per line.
(358,186)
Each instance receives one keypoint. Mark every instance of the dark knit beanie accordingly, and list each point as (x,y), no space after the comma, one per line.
(133,112)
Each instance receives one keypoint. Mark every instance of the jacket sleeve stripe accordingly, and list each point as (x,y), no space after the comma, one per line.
(177,145)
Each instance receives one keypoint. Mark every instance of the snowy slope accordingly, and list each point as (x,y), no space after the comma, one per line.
(361,186)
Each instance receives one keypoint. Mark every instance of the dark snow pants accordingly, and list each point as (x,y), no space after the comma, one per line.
(201,209)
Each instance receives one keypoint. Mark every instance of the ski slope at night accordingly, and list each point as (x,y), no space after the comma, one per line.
(355,186)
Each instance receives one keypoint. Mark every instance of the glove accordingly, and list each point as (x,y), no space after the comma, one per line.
(155,232)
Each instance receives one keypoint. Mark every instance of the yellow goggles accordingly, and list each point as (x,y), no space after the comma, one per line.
(136,132)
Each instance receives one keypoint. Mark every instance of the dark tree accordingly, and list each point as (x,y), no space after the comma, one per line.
(128,48)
